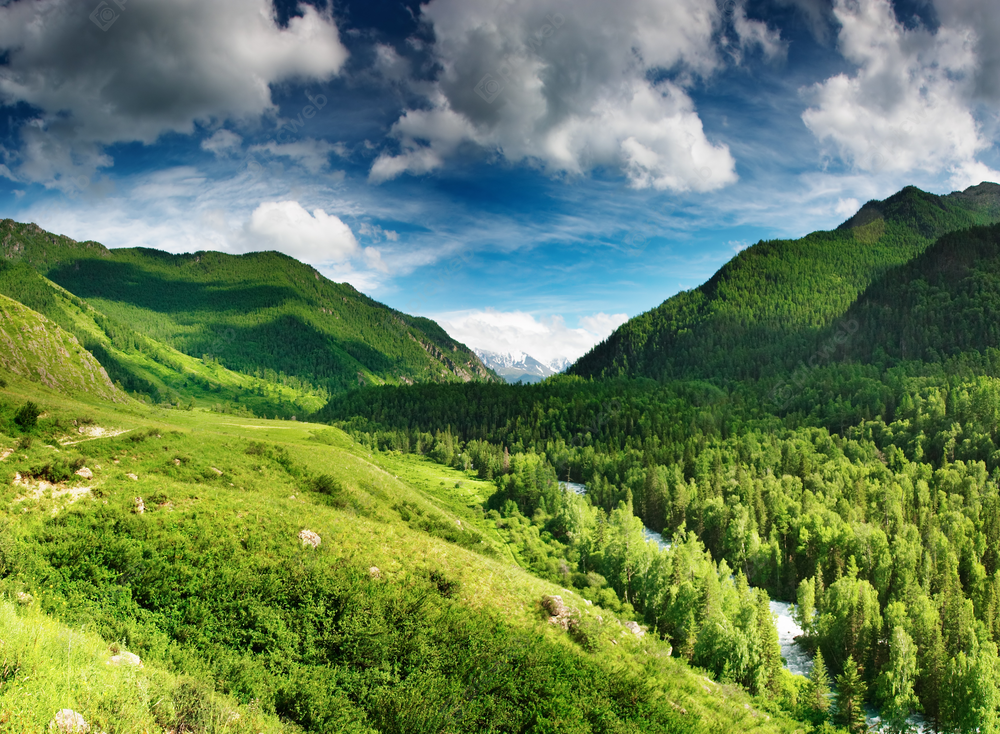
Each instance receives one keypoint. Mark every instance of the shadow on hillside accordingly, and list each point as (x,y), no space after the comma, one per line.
(126,282)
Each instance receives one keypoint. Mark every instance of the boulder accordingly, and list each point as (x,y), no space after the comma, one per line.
(85,473)
(308,537)
(635,628)
(559,614)
(68,721)
(126,658)
(25,599)
(133,477)
(140,506)
(374,572)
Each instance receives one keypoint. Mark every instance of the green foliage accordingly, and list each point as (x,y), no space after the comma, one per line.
(850,704)
(27,416)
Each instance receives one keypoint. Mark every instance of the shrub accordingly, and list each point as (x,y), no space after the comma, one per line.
(27,416)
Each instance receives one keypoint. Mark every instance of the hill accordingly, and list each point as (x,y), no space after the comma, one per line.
(35,348)
(147,369)
(262,314)
(943,303)
(763,309)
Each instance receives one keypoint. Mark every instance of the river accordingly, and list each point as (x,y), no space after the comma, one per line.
(797,658)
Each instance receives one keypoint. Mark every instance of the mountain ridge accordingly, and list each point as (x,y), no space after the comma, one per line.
(260,314)
(760,311)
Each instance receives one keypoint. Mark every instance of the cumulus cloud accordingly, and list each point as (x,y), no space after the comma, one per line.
(163,66)
(546,339)
(570,87)
(313,238)
(907,106)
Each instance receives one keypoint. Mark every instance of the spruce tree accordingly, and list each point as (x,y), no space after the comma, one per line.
(851,690)
(818,690)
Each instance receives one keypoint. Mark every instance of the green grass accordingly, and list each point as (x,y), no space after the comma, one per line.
(212,586)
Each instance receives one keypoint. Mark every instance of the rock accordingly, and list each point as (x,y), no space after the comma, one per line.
(23,598)
(217,471)
(140,506)
(85,473)
(560,614)
(374,572)
(177,462)
(308,537)
(635,628)
(68,721)
(133,477)
(126,658)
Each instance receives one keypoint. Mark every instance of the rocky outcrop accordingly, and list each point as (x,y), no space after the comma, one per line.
(68,721)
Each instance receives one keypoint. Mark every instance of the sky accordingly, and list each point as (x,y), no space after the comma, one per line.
(529,173)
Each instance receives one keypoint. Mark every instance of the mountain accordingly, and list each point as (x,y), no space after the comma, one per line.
(762,311)
(515,367)
(262,314)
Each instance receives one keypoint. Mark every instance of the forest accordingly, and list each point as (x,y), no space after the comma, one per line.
(861,485)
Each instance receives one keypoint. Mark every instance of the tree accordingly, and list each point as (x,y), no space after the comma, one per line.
(895,684)
(818,688)
(851,690)
(805,610)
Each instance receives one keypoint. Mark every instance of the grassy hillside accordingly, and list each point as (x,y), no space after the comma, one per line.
(232,612)
(261,314)
(762,310)
(35,348)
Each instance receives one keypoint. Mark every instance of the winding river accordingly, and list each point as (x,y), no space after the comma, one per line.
(796,657)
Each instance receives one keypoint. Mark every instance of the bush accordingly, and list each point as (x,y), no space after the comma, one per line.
(27,416)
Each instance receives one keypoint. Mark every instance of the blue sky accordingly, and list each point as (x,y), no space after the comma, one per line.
(528,172)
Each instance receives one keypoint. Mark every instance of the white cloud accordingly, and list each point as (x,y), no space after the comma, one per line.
(222,143)
(545,339)
(847,208)
(566,85)
(311,154)
(312,238)
(907,106)
(163,66)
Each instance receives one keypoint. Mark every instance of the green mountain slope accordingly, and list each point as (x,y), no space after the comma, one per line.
(152,371)
(38,349)
(943,303)
(262,314)
(760,312)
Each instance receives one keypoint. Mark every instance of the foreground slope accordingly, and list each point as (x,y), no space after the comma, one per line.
(409,614)
(763,307)
(263,314)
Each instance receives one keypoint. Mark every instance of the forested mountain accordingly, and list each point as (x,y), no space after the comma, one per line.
(764,308)
(261,314)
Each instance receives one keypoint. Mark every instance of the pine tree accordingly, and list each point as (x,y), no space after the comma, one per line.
(818,689)
(851,690)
